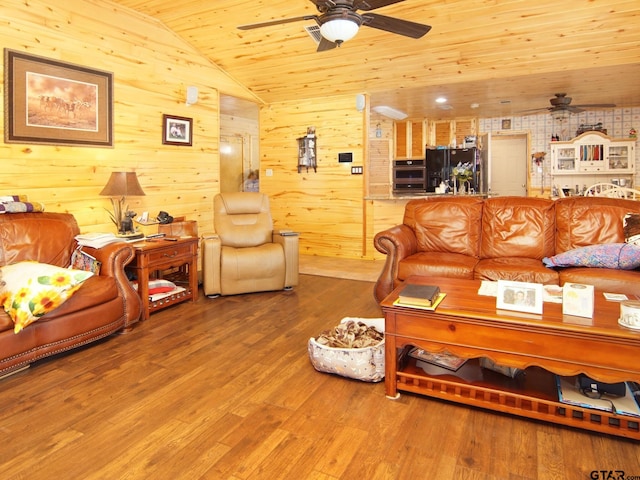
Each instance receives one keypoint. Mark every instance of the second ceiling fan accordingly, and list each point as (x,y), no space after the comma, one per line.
(339,21)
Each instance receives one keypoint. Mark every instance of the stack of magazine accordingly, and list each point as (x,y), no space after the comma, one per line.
(96,240)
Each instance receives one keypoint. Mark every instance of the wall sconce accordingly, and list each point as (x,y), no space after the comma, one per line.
(378,131)
(307,153)
(192,95)
(119,186)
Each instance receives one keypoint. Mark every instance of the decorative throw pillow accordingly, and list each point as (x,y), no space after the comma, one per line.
(631,225)
(158,286)
(29,290)
(623,256)
(161,286)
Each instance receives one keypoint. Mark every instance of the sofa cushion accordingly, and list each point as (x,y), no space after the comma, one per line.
(95,290)
(29,290)
(583,221)
(516,269)
(518,227)
(446,224)
(604,279)
(623,256)
(437,264)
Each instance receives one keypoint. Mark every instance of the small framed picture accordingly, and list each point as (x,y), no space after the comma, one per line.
(177,130)
(506,124)
(520,296)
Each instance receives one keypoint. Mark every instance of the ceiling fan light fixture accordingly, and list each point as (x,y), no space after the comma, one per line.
(390,112)
(561,115)
(339,30)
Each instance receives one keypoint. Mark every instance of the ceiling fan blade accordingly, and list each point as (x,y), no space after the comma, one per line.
(597,105)
(278,22)
(573,109)
(368,5)
(325,45)
(395,25)
(531,110)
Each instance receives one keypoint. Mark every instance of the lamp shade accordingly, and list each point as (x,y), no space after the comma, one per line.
(339,30)
(122,184)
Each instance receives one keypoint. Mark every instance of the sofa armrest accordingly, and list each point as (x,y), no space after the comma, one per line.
(396,243)
(114,257)
(289,241)
(211,248)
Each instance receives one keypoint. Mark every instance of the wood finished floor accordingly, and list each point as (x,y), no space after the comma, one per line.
(223,389)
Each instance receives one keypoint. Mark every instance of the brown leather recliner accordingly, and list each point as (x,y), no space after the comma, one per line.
(246,254)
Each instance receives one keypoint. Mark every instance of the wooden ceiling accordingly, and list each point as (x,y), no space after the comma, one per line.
(505,55)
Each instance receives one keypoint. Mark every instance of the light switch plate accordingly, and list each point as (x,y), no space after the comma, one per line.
(356,170)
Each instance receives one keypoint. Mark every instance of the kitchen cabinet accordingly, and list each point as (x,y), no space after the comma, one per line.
(410,138)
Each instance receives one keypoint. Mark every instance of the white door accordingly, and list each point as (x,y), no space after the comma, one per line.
(508,159)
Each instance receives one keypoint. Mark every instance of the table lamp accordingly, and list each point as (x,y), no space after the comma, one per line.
(119,186)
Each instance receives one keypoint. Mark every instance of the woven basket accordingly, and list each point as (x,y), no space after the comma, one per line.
(366,364)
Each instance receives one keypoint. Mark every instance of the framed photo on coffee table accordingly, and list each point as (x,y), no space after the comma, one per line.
(520,296)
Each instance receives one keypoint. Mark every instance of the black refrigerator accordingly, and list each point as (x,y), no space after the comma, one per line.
(440,163)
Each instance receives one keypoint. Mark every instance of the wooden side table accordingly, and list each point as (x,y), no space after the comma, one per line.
(154,257)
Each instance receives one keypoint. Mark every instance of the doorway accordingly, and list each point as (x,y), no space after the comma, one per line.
(509,155)
(231,163)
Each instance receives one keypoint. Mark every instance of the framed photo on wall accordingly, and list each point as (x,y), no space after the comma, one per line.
(177,130)
(56,103)
(520,296)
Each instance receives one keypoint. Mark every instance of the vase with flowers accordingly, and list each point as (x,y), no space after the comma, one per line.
(463,173)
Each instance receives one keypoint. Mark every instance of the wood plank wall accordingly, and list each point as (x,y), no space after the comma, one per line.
(152,68)
(326,206)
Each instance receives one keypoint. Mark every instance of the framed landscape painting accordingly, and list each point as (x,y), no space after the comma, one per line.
(57,103)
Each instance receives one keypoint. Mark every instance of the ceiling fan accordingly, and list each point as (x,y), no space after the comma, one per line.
(561,104)
(339,21)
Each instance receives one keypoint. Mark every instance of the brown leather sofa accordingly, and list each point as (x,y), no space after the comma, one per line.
(246,254)
(104,304)
(503,238)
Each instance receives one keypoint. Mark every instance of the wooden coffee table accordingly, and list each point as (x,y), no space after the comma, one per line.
(469,325)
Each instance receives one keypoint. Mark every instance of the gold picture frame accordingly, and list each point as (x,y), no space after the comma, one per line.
(177,130)
(56,103)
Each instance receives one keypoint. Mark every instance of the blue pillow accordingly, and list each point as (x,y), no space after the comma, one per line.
(623,256)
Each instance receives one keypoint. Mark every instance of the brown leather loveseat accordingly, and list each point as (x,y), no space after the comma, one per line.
(504,238)
(104,303)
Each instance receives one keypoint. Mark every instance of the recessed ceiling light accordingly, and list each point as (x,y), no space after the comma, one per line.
(474,105)
(441,100)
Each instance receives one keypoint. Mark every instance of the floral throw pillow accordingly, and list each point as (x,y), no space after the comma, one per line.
(623,256)
(29,290)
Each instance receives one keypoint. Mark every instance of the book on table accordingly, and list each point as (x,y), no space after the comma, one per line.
(420,295)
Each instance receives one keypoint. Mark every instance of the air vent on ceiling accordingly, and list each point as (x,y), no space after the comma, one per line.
(314,32)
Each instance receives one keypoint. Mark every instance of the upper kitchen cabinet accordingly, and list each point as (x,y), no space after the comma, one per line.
(451,133)
(593,153)
(410,138)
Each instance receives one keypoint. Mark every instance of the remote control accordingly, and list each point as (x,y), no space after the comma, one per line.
(156,235)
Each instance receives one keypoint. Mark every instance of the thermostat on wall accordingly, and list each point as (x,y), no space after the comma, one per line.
(345,157)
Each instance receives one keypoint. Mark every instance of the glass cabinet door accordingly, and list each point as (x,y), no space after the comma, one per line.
(566,159)
(618,157)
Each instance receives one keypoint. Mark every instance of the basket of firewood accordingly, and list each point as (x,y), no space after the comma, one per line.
(353,349)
